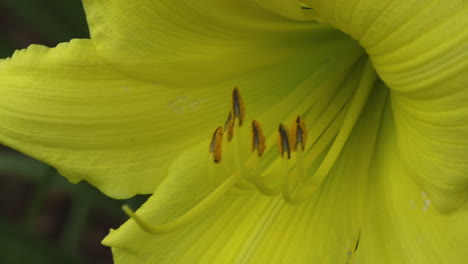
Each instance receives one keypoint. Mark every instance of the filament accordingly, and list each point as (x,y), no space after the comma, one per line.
(189,216)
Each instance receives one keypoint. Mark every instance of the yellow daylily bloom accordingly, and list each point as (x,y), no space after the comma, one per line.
(376,95)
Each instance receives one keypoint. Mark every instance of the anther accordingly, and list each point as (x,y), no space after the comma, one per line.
(229,126)
(283,143)
(216,144)
(258,139)
(298,134)
(237,106)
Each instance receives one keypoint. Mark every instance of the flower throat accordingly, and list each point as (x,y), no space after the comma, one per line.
(241,158)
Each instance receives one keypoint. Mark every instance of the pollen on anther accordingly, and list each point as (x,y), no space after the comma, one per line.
(298,134)
(258,139)
(238,110)
(216,144)
(283,142)
(229,126)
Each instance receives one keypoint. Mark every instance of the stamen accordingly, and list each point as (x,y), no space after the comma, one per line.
(258,139)
(272,190)
(268,184)
(190,215)
(236,150)
(298,134)
(229,126)
(283,142)
(352,115)
(237,106)
(216,144)
(298,137)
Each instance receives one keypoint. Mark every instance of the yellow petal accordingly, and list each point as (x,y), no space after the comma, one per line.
(67,107)
(286,8)
(195,42)
(420,50)
(401,224)
(250,228)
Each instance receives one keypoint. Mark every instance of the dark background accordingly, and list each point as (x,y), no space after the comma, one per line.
(43,217)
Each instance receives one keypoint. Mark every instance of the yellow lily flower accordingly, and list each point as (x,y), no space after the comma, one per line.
(374,171)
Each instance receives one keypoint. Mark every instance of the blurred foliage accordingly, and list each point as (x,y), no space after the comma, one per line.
(22,239)
(43,217)
(57,20)
(20,246)
(6,47)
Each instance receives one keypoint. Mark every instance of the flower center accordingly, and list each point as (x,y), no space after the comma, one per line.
(241,158)
(306,155)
